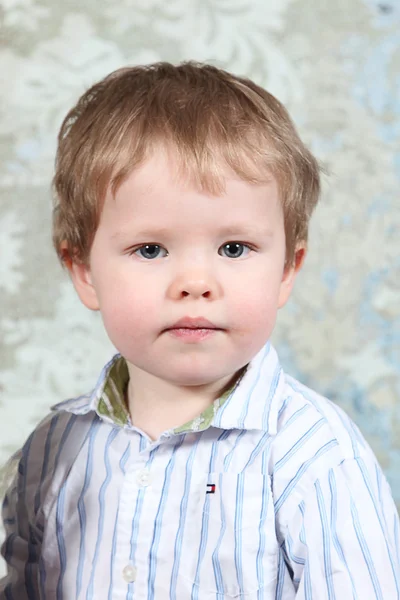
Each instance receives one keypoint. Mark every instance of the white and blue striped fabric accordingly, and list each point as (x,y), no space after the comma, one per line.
(278,498)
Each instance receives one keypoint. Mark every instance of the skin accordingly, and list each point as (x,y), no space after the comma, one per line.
(188,271)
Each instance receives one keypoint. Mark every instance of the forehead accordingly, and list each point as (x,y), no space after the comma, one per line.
(159,190)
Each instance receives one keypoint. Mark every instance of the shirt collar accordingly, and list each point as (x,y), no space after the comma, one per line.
(108,396)
(250,404)
(254,404)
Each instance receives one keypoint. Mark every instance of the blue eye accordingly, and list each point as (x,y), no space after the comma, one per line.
(150,251)
(229,250)
(234,249)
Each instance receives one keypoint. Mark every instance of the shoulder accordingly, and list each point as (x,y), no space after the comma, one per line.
(313,437)
(55,435)
(303,408)
(47,455)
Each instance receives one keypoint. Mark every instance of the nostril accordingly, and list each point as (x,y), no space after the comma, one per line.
(204,294)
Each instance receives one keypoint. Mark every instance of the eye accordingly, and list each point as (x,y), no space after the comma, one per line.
(234,250)
(149,251)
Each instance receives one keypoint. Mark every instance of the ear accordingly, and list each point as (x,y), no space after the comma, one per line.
(290,273)
(81,278)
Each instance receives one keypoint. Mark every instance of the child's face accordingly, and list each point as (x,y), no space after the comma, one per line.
(188,270)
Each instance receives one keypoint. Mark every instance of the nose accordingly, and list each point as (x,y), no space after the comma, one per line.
(194,284)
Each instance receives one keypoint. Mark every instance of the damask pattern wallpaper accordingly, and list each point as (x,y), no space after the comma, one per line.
(336,66)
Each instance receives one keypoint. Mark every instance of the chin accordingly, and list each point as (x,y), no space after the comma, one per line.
(194,378)
(194,381)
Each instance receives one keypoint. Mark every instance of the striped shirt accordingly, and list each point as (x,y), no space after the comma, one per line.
(272,493)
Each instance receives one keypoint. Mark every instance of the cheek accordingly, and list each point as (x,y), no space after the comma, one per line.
(255,303)
(258,290)
(127,310)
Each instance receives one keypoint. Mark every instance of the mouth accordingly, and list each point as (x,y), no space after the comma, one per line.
(193,329)
(192,335)
(193,323)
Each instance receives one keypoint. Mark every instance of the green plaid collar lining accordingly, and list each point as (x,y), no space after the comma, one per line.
(111,403)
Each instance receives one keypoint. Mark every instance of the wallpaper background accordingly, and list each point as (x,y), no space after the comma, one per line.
(336,66)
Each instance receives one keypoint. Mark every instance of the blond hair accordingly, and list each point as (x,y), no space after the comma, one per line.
(210,118)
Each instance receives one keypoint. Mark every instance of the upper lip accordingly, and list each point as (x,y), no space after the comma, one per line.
(193,323)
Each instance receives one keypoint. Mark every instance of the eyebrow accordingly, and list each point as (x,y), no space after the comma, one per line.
(245,231)
(149,233)
(234,230)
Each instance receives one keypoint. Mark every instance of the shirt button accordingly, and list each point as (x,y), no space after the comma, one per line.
(143,478)
(129,573)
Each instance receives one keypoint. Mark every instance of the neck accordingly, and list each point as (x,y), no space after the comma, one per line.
(156,405)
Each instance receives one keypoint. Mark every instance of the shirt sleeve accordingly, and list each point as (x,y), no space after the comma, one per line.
(343,539)
(21,548)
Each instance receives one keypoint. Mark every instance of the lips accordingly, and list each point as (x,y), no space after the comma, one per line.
(193,323)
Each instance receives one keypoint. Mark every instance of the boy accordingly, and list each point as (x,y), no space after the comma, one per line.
(196,468)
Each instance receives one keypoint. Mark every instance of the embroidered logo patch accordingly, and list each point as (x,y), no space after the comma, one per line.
(210,488)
